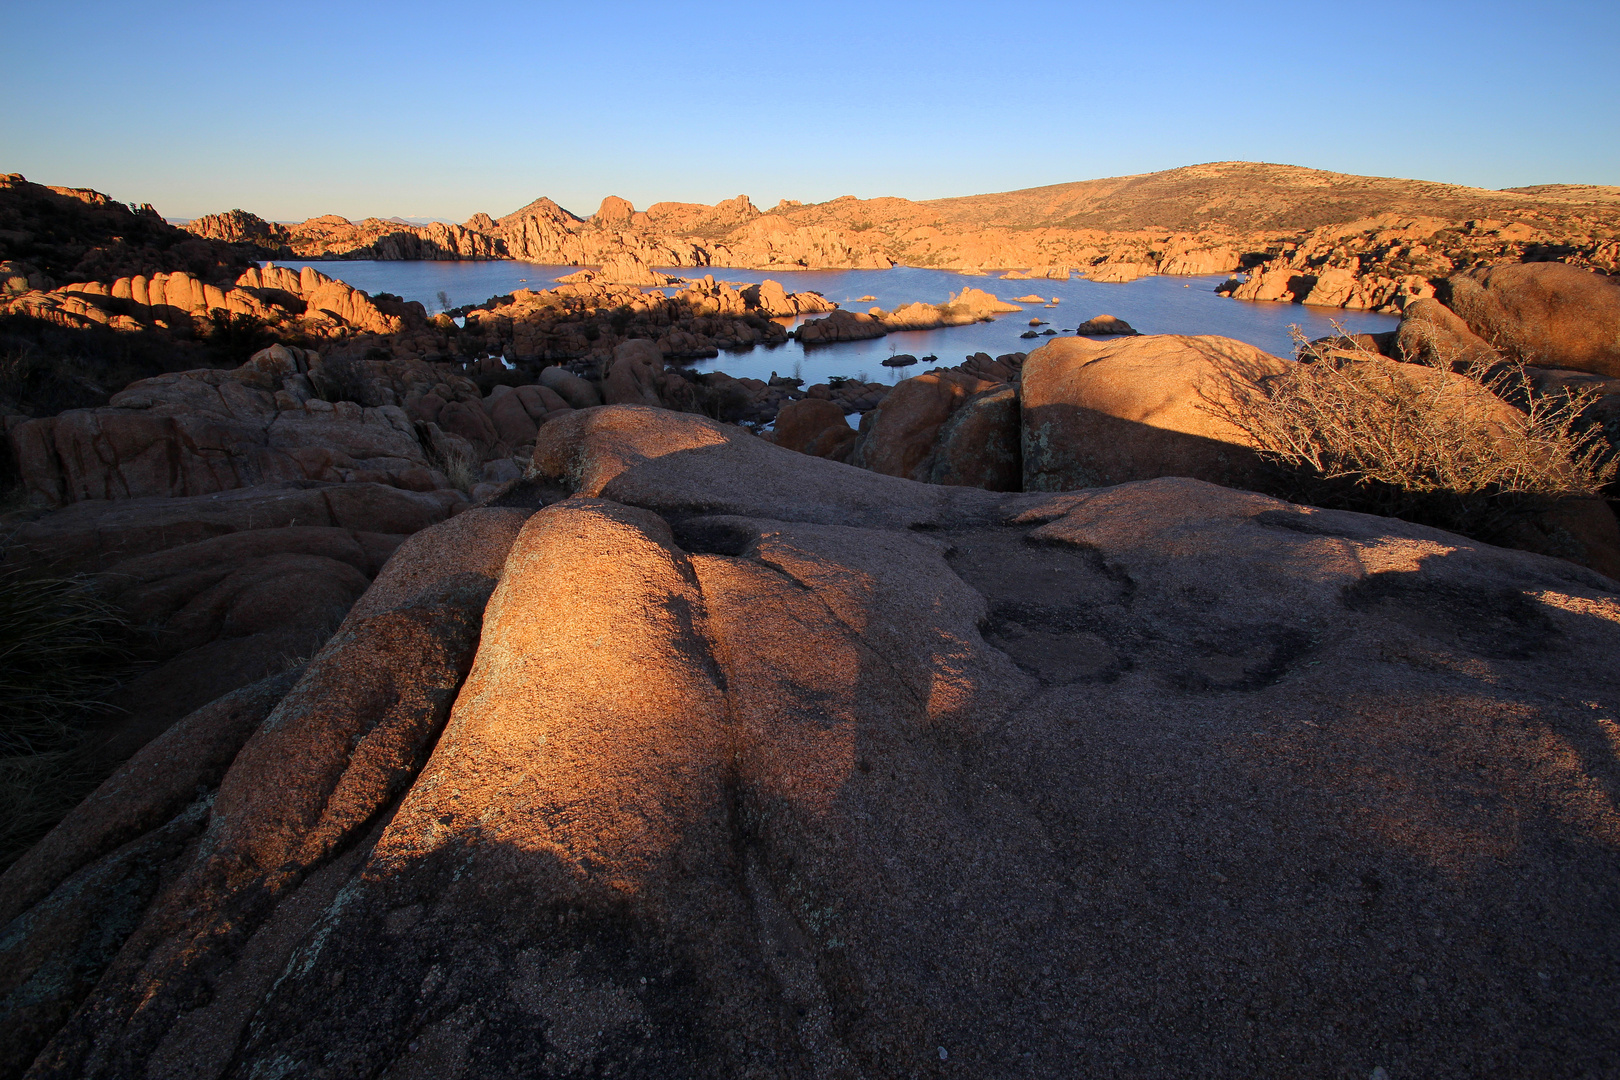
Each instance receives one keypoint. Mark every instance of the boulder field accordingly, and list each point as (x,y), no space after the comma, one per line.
(691,755)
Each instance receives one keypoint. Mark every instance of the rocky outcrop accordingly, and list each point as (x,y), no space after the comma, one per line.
(199,432)
(772,241)
(1270,283)
(1105,326)
(586,317)
(1200,261)
(69,235)
(623,269)
(841,325)
(1375,242)
(1118,272)
(240,227)
(735,716)
(1135,408)
(332,237)
(1386,262)
(307,301)
(18,277)
(769,298)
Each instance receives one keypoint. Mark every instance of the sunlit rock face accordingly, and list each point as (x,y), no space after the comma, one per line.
(755,763)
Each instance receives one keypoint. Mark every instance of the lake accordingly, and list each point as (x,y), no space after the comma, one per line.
(1153,305)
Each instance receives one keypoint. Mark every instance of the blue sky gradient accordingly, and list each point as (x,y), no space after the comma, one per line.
(442,110)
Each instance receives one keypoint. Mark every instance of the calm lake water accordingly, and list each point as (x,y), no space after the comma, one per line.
(1153,305)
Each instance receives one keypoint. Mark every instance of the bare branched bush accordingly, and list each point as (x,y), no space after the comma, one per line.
(1351,428)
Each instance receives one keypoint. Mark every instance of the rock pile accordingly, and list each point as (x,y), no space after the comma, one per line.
(1386,264)
(966,307)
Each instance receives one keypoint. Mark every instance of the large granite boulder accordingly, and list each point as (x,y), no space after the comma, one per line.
(897,437)
(634,376)
(766,765)
(814,426)
(1548,314)
(577,392)
(1135,408)
(1432,333)
(979,445)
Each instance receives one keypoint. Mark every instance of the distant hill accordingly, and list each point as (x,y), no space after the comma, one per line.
(1574,193)
(1234,197)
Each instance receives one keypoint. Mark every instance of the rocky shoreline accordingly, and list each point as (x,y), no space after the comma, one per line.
(1297,235)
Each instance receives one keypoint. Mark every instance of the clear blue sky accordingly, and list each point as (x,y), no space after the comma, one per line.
(444,109)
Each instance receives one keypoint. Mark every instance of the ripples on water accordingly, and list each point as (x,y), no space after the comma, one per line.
(1153,305)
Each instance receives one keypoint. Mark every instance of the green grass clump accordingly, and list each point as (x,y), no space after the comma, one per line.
(63,651)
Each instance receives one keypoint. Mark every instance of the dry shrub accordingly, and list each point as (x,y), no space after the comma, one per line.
(1350,428)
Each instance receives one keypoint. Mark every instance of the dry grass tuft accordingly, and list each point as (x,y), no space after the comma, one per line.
(459,465)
